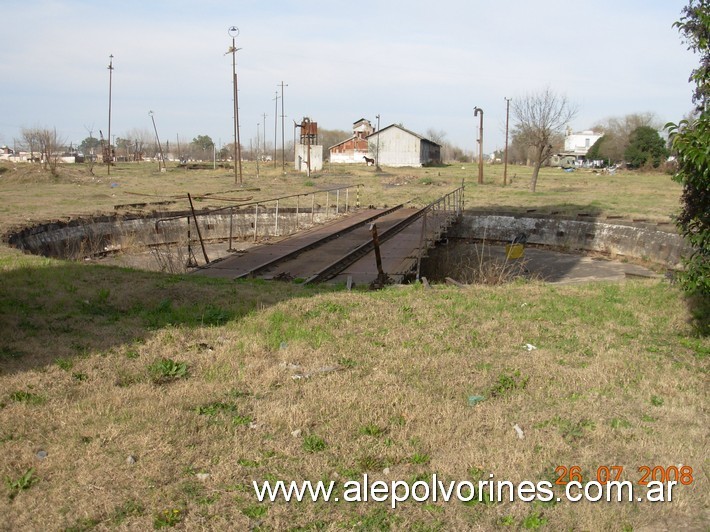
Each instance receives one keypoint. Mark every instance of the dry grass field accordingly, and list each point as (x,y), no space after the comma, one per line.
(132,400)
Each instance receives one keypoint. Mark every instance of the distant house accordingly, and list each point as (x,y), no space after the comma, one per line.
(353,149)
(397,146)
(578,144)
(576,147)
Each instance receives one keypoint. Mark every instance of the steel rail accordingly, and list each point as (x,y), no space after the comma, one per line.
(339,265)
(350,258)
(316,243)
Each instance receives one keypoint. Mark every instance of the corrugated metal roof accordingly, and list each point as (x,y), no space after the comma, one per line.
(406,131)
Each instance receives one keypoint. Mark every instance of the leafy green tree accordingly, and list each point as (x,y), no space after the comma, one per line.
(203,142)
(617,133)
(694,24)
(646,147)
(691,144)
(88,144)
(597,151)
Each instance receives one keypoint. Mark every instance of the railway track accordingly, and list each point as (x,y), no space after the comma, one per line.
(332,269)
(345,248)
(314,244)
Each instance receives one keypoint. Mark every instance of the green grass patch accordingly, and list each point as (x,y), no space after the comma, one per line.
(22,483)
(167,370)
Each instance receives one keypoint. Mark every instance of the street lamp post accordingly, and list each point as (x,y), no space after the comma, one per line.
(476,112)
(110,83)
(160,148)
(233,33)
(505,156)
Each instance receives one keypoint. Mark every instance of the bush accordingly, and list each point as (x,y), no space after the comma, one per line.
(691,143)
(646,148)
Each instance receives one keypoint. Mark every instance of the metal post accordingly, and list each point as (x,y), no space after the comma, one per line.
(327,201)
(264,116)
(283,138)
(160,148)
(337,202)
(189,244)
(476,112)
(357,204)
(276,229)
(256,218)
(422,236)
(377,152)
(110,83)
(276,123)
(257,149)
(298,198)
(197,227)
(234,32)
(313,206)
(378,257)
(231,225)
(347,196)
(505,156)
(463,195)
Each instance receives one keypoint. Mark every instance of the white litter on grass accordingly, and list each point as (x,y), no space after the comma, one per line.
(519,431)
(529,347)
(308,375)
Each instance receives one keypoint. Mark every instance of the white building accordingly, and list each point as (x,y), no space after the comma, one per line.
(578,144)
(398,146)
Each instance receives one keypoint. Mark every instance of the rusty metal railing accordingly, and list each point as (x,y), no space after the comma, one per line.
(337,200)
(444,210)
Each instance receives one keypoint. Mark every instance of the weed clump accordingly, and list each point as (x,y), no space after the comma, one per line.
(167,370)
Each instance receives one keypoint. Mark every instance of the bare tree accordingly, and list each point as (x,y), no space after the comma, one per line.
(30,141)
(47,143)
(50,146)
(541,118)
(142,140)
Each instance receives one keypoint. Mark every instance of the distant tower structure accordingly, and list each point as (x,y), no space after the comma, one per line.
(309,154)
(309,132)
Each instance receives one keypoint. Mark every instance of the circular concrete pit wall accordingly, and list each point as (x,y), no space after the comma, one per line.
(95,236)
(75,239)
(657,243)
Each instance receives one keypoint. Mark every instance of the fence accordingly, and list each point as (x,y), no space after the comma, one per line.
(269,218)
(437,217)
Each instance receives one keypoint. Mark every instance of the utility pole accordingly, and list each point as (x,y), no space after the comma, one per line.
(276,123)
(110,83)
(283,137)
(377,151)
(476,112)
(257,149)
(505,156)
(264,145)
(234,32)
(160,148)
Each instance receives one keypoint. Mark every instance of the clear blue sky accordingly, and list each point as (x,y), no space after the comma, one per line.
(425,64)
